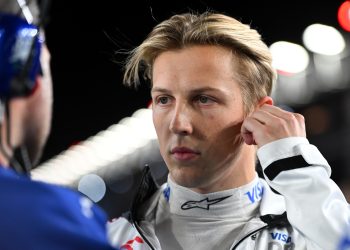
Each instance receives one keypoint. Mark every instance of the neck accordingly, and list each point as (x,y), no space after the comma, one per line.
(3,162)
(5,149)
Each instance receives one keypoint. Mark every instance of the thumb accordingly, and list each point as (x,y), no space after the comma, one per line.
(247,136)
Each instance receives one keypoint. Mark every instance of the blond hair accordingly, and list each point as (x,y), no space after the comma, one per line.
(255,73)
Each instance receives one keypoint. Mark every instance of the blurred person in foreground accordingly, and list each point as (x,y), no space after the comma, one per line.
(34,215)
(211,78)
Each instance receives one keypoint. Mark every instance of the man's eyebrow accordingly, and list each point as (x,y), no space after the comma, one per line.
(205,89)
(157,89)
(194,91)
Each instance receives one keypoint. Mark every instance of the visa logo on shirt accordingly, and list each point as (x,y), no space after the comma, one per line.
(344,243)
(256,193)
(166,193)
(281,237)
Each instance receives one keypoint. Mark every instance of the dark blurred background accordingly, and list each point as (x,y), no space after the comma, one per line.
(87,40)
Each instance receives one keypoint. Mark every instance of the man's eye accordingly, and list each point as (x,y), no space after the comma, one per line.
(163,100)
(203,99)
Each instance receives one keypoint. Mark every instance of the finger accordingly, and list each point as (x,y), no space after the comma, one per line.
(282,121)
(278,112)
(248,128)
(295,118)
(272,116)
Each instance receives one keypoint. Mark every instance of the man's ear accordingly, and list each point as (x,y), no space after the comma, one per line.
(265,100)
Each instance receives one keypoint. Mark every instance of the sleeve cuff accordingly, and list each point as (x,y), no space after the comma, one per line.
(291,147)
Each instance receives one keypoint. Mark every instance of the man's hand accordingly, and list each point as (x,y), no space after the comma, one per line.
(269,123)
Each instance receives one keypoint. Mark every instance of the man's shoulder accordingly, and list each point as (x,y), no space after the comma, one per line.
(49,199)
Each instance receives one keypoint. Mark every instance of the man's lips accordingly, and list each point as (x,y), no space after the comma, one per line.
(183,153)
(183,150)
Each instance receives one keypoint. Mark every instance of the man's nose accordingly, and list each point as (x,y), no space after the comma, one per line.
(181,121)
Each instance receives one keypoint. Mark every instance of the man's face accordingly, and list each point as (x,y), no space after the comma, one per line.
(39,110)
(197,112)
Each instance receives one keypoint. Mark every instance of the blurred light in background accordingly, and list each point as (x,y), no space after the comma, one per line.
(289,58)
(291,62)
(93,186)
(323,39)
(108,166)
(306,72)
(292,90)
(344,15)
(106,147)
(328,73)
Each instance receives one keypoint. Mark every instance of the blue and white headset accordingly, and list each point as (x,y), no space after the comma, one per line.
(20,47)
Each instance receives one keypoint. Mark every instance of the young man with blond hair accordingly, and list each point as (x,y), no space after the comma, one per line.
(211,78)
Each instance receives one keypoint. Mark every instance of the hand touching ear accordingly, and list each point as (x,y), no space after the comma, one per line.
(269,123)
